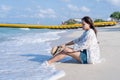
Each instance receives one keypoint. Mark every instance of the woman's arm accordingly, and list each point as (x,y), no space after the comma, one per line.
(69,43)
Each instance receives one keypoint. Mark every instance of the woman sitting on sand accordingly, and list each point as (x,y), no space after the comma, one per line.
(87,48)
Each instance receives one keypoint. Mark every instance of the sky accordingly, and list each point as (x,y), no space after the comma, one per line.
(54,12)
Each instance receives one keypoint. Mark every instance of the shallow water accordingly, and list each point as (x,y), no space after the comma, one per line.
(22,52)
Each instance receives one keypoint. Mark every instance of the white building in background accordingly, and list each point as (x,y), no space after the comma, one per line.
(78,20)
(110,19)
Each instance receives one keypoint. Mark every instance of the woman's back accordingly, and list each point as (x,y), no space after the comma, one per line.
(93,49)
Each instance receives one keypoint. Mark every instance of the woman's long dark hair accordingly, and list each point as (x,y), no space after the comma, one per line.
(89,21)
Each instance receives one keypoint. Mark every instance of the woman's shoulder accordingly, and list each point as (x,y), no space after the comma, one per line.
(91,31)
(88,32)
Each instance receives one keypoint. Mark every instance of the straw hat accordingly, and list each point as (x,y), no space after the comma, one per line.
(55,50)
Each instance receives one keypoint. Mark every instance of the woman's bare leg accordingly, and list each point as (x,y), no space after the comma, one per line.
(67,51)
(72,53)
(57,57)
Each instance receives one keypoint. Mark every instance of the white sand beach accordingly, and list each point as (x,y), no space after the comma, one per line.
(110,51)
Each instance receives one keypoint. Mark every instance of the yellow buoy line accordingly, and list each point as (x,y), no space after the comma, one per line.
(97,24)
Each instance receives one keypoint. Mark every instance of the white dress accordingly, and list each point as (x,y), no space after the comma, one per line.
(89,42)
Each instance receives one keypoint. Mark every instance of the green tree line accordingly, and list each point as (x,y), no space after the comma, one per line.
(115,16)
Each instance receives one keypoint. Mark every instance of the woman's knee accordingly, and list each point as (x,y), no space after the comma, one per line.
(68,50)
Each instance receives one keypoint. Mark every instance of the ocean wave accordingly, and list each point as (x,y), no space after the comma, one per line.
(25,28)
(22,52)
(31,41)
(23,38)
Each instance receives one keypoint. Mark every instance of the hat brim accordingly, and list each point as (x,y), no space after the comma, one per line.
(55,50)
